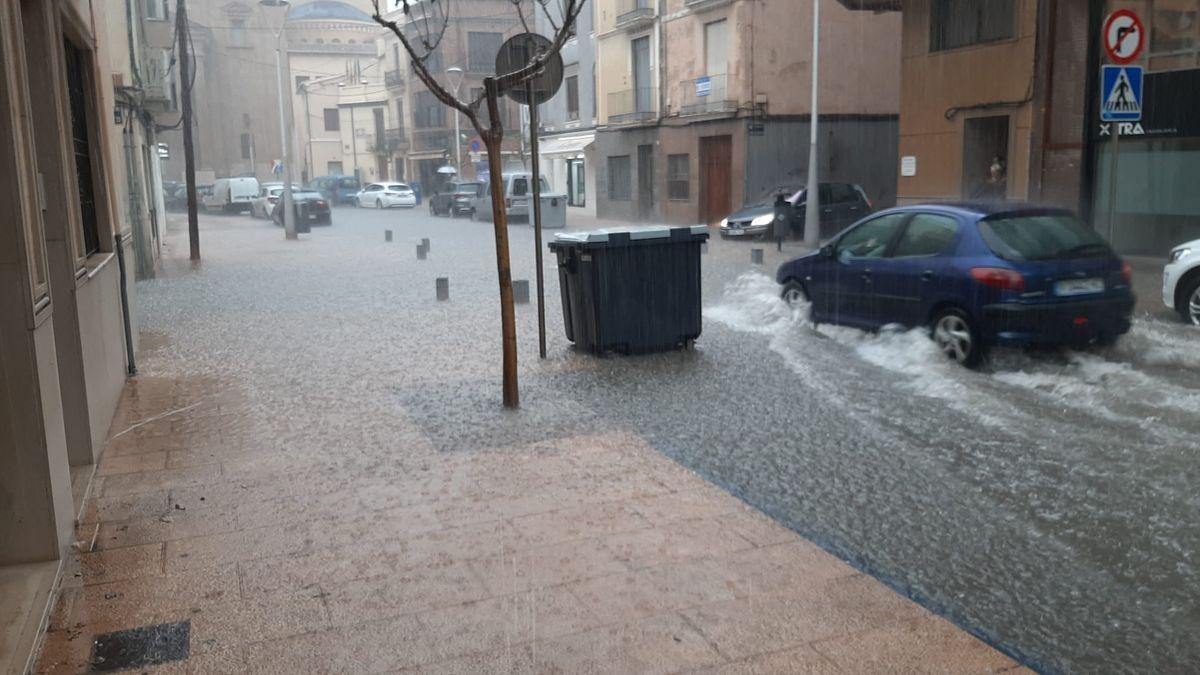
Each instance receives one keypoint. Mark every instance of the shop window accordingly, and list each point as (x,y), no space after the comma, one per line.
(620,178)
(77,95)
(961,23)
(678,178)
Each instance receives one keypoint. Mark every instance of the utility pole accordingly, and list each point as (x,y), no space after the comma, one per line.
(812,202)
(189,156)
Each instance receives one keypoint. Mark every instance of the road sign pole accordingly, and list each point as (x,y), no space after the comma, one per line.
(537,215)
(1112,181)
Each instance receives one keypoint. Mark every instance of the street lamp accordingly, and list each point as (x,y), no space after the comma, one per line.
(812,201)
(455,75)
(289,215)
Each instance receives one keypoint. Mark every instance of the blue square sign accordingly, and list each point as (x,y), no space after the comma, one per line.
(1120,93)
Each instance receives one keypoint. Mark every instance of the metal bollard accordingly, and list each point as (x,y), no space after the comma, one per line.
(521,291)
(425,243)
(756,256)
(387,235)
(420,252)
(443,288)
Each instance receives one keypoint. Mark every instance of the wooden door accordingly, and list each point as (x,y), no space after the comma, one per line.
(716,157)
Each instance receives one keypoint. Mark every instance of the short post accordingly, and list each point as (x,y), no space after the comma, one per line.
(420,252)
(756,256)
(521,291)
(443,288)
(387,235)
(425,243)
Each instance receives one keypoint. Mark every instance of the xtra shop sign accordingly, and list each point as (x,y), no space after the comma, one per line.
(1170,107)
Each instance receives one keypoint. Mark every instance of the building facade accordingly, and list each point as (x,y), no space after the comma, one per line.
(704,105)
(1015,84)
(423,137)
(66,252)
(567,130)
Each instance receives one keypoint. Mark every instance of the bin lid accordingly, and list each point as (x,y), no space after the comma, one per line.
(624,235)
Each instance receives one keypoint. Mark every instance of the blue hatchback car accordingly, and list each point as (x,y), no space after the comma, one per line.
(976,274)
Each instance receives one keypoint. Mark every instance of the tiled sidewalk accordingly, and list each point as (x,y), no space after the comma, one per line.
(582,554)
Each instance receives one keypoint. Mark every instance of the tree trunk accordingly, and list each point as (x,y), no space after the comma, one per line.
(508,324)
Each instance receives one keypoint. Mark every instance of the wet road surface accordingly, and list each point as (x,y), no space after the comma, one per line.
(1047,503)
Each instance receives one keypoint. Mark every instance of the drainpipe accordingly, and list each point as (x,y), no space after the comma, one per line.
(1091,92)
(130,365)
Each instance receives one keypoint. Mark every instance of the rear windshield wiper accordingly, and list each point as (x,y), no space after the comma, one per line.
(1083,248)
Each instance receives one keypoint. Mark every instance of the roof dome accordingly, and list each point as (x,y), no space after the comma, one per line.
(324,10)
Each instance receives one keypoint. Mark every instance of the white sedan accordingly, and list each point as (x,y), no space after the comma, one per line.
(262,205)
(1181,281)
(387,195)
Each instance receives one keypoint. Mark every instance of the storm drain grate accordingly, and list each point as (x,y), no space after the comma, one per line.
(142,646)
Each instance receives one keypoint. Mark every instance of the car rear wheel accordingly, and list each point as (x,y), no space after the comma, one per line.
(1189,305)
(955,335)
(379,203)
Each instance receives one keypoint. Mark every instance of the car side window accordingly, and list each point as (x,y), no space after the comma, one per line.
(927,234)
(869,239)
(520,187)
(840,193)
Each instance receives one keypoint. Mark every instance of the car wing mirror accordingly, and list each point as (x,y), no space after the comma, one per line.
(827,251)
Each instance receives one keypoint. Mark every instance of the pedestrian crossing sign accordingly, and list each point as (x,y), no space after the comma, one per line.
(1121,94)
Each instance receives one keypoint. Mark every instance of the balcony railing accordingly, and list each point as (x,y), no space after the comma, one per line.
(631,105)
(393,78)
(707,95)
(634,13)
(425,140)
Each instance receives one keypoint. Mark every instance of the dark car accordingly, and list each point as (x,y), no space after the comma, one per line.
(453,198)
(841,204)
(310,207)
(977,274)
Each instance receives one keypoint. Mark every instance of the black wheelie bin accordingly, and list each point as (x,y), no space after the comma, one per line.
(631,290)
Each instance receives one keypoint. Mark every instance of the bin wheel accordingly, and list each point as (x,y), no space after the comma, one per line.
(689,344)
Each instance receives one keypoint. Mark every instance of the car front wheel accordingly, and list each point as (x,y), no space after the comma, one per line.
(956,336)
(1189,301)
(793,293)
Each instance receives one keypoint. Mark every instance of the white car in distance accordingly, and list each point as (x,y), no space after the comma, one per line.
(386,195)
(1181,281)
(262,205)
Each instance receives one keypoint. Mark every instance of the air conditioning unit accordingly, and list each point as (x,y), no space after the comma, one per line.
(157,79)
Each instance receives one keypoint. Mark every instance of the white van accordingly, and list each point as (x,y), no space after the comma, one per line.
(232,194)
(518,193)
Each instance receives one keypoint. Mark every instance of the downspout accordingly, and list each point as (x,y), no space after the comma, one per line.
(1091,92)
(662,60)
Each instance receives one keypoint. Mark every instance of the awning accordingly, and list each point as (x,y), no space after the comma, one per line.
(565,146)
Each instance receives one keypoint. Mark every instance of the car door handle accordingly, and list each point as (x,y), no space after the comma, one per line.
(866,276)
(927,275)
(826,210)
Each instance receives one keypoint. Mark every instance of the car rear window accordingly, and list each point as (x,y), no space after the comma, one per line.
(1041,237)
(349,182)
(399,186)
(467,188)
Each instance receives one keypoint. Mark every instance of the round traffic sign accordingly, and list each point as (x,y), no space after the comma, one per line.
(1124,36)
(517,53)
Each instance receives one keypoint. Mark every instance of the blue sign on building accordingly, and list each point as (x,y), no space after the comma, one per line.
(1120,93)
(703,86)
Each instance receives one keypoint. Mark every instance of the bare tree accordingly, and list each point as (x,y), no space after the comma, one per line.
(426,22)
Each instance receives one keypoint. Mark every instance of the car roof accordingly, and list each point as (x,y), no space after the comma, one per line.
(982,209)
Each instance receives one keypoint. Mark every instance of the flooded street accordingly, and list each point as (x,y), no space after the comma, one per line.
(1045,503)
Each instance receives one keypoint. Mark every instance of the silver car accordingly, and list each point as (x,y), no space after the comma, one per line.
(518,193)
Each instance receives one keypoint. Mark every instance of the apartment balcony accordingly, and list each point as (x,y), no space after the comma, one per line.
(635,14)
(393,141)
(428,140)
(393,79)
(701,5)
(632,105)
(707,95)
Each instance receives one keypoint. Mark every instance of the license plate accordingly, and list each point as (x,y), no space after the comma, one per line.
(312,216)
(1079,286)
(733,231)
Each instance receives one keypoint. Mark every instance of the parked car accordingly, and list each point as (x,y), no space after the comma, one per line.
(310,206)
(337,189)
(977,274)
(386,195)
(1181,281)
(517,195)
(453,198)
(841,204)
(262,205)
(231,195)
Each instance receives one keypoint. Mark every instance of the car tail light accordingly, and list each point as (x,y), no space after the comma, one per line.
(999,277)
(1126,272)
(321,202)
